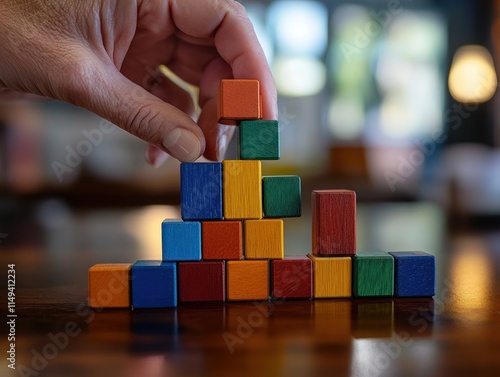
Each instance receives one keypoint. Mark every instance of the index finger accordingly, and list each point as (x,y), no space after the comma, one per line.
(226,22)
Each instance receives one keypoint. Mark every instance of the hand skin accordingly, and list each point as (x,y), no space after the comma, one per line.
(101,55)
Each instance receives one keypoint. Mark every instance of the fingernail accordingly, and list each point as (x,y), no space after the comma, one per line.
(223,141)
(158,159)
(183,145)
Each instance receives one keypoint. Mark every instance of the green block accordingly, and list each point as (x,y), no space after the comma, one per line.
(259,140)
(373,274)
(281,196)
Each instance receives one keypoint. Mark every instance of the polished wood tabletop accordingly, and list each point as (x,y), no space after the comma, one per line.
(457,333)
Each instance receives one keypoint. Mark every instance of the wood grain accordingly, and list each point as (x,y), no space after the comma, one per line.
(109,285)
(332,276)
(264,239)
(242,191)
(415,274)
(372,274)
(281,196)
(181,240)
(238,100)
(201,281)
(259,140)
(333,222)
(222,240)
(292,277)
(247,280)
(201,191)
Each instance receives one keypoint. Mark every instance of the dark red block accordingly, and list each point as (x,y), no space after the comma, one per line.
(333,222)
(292,277)
(202,281)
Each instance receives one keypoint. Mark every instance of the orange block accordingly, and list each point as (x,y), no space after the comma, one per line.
(247,280)
(109,285)
(239,100)
(221,240)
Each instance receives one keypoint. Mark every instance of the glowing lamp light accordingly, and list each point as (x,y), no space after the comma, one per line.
(300,27)
(299,76)
(472,77)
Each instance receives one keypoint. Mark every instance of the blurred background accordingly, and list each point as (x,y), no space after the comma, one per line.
(395,99)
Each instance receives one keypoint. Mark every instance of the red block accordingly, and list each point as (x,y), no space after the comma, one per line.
(221,240)
(333,222)
(292,277)
(202,281)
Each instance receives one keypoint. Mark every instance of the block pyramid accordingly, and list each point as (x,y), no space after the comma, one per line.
(229,243)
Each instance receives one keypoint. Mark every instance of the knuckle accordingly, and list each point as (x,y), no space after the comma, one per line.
(144,122)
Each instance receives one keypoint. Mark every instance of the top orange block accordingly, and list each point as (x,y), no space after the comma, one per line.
(239,100)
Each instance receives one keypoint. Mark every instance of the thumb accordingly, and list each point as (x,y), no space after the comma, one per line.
(106,92)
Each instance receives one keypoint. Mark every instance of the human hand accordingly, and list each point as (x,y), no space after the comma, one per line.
(102,54)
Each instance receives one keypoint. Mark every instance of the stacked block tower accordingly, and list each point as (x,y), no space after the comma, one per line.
(229,244)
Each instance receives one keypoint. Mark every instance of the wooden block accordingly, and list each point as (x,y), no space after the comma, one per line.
(181,241)
(281,196)
(333,222)
(372,274)
(415,274)
(109,285)
(222,240)
(264,239)
(202,281)
(242,182)
(154,284)
(201,191)
(259,140)
(239,100)
(291,277)
(332,276)
(247,280)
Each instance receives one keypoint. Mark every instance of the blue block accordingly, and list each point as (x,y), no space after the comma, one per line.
(415,274)
(154,284)
(201,191)
(181,241)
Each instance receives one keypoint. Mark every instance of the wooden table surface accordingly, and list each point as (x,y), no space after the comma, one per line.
(456,333)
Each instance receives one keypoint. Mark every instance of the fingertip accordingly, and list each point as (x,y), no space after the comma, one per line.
(183,144)
(155,156)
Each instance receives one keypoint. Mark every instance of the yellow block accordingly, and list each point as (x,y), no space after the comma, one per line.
(242,189)
(332,276)
(264,239)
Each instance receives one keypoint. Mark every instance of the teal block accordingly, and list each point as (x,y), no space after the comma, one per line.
(281,196)
(259,140)
(373,274)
